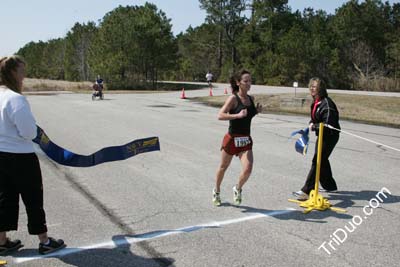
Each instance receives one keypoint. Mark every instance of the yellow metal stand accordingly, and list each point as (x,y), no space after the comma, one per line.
(315,200)
(3,262)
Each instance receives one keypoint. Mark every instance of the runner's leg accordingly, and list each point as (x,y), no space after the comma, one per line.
(225,162)
(246,159)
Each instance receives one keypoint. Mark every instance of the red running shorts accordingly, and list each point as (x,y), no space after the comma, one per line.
(233,144)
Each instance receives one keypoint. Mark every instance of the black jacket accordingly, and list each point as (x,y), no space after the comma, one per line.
(326,113)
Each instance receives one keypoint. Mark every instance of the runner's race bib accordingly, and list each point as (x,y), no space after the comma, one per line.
(242,141)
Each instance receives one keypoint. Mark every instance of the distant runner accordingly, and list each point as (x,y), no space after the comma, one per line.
(209,78)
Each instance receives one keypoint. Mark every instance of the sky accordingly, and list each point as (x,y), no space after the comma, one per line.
(23,21)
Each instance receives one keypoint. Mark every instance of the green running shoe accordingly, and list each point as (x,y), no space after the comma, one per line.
(237,195)
(216,198)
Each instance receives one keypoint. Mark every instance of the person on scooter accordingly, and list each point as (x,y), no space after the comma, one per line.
(98,88)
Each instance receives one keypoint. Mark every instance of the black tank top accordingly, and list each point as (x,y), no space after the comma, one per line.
(242,126)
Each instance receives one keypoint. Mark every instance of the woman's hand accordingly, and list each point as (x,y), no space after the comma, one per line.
(242,113)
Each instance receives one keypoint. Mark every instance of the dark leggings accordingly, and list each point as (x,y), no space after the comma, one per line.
(326,178)
(20,175)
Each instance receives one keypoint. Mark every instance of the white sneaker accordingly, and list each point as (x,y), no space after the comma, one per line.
(300,195)
(216,198)
(237,195)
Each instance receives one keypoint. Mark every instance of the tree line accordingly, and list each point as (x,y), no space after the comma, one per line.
(357,48)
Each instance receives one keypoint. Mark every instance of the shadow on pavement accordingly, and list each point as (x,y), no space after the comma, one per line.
(347,198)
(339,199)
(120,256)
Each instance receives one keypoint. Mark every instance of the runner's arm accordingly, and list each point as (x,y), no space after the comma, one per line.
(223,113)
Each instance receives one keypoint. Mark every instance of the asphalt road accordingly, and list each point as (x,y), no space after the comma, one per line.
(155,209)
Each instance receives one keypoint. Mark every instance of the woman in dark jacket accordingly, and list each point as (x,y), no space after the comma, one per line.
(324,110)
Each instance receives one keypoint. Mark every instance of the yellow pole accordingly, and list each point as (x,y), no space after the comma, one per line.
(316,201)
(319,155)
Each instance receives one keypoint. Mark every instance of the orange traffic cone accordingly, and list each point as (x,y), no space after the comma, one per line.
(225,91)
(210,94)
(183,96)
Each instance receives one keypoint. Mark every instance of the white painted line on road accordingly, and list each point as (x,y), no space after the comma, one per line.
(152,235)
(362,138)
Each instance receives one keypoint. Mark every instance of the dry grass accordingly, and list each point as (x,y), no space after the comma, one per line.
(380,84)
(376,110)
(31,85)
(35,85)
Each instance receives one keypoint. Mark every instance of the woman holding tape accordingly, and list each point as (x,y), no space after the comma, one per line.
(324,110)
(239,109)
(20,174)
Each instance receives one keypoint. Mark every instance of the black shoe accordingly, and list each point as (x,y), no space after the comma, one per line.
(10,246)
(54,245)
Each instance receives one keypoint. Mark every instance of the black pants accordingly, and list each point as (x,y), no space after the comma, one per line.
(326,178)
(20,175)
